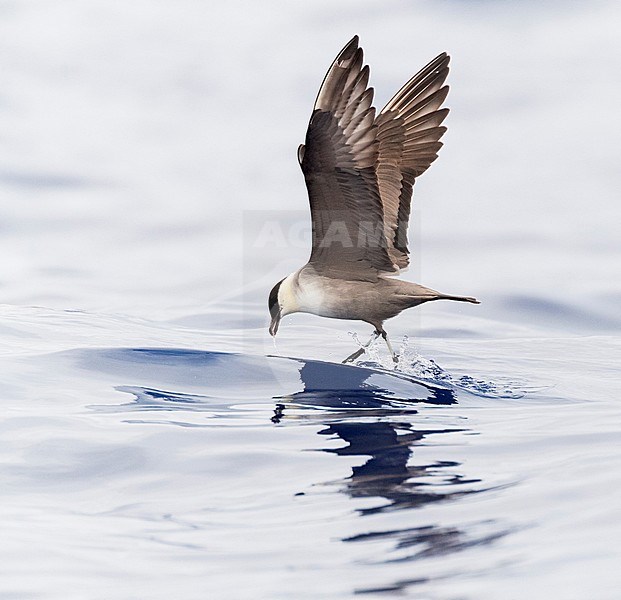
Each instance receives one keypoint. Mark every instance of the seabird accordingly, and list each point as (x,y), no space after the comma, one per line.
(359,169)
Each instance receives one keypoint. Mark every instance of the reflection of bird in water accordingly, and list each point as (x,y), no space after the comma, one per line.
(353,391)
(360,169)
(346,413)
(366,419)
(386,473)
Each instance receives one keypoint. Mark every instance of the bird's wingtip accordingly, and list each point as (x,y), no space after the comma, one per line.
(349,49)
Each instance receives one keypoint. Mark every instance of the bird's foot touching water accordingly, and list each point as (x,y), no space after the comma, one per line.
(364,347)
(409,362)
(394,356)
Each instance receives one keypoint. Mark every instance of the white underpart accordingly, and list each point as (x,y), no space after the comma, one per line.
(287,298)
(309,298)
(312,299)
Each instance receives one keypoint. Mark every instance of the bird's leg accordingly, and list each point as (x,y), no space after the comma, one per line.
(395,358)
(362,349)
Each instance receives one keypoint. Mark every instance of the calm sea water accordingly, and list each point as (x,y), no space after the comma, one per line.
(157,444)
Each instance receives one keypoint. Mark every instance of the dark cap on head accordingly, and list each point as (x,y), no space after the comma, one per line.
(272,303)
(274,307)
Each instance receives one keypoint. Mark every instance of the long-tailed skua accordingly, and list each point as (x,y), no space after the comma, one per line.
(360,168)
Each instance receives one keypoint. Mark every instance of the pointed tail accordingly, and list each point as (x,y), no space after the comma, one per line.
(459,298)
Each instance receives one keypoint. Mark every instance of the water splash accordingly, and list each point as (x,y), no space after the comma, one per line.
(371,357)
(426,369)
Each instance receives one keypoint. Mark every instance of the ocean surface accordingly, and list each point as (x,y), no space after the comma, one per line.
(156,443)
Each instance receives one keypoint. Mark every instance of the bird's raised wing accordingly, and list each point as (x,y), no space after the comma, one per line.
(339,160)
(408,133)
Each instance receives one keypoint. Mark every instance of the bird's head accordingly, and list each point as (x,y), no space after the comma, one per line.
(280,303)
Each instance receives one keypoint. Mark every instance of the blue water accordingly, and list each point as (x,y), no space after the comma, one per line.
(156,443)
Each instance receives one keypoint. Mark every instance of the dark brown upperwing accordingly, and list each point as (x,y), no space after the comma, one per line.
(408,134)
(339,161)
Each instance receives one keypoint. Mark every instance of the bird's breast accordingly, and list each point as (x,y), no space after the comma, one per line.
(314,296)
(339,299)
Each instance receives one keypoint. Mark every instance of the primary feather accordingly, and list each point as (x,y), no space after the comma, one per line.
(360,168)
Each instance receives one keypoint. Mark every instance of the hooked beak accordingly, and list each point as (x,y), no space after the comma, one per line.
(274,324)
